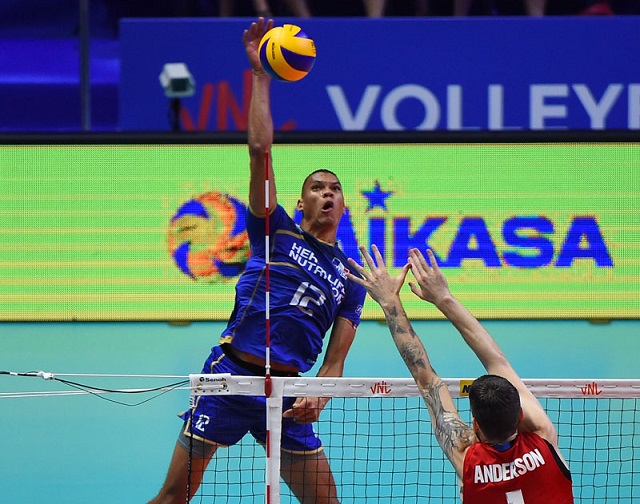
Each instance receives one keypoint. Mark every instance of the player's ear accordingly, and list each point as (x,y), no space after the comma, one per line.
(299,205)
(476,429)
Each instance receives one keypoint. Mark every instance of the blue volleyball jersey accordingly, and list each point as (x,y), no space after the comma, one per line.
(308,290)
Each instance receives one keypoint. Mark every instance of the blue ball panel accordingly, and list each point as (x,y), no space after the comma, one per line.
(239,225)
(181,256)
(298,61)
(191,207)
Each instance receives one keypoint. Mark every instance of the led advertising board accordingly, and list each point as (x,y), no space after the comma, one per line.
(122,230)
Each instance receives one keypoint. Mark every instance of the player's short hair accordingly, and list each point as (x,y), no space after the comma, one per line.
(320,170)
(495,405)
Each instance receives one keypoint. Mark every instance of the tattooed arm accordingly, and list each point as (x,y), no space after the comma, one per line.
(432,287)
(453,435)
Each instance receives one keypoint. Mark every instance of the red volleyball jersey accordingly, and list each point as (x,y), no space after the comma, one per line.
(529,472)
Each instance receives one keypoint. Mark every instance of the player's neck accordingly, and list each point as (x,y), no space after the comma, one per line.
(493,442)
(326,234)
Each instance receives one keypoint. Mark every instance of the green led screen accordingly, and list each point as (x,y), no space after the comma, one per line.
(155,232)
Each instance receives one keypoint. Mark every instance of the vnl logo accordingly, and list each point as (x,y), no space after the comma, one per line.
(380,388)
(591,389)
(230,113)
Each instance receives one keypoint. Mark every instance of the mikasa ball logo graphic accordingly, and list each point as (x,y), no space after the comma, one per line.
(207,237)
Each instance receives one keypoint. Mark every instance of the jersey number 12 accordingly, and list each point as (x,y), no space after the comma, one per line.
(314,295)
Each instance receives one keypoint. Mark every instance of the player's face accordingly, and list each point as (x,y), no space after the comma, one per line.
(322,200)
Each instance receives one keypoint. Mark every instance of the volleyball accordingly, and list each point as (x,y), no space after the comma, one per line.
(207,237)
(287,53)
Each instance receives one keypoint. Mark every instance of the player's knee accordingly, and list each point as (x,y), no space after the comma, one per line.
(196,449)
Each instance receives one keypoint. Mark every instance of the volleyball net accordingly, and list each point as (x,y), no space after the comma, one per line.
(379,441)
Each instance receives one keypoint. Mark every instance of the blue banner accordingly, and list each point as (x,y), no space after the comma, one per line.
(396,74)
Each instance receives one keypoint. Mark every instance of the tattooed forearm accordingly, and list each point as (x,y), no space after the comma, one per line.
(408,342)
(411,350)
(413,356)
(450,431)
(395,322)
(453,435)
(399,323)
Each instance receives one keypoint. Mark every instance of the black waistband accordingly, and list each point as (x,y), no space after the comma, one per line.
(253,369)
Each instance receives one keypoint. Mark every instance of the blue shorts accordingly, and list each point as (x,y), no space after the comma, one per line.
(225,419)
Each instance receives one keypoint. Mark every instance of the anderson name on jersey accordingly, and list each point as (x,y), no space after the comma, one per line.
(529,471)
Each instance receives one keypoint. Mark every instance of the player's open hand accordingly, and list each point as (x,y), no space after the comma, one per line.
(251,39)
(432,286)
(380,285)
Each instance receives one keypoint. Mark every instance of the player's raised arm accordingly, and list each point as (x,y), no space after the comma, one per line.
(432,287)
(260,122)
(453,434)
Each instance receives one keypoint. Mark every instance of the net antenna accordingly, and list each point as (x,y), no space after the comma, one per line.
(272,474)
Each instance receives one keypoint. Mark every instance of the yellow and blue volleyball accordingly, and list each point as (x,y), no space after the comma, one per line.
(287,53)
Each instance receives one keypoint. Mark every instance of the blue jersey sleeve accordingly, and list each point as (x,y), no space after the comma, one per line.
(256,228)
(355,294)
